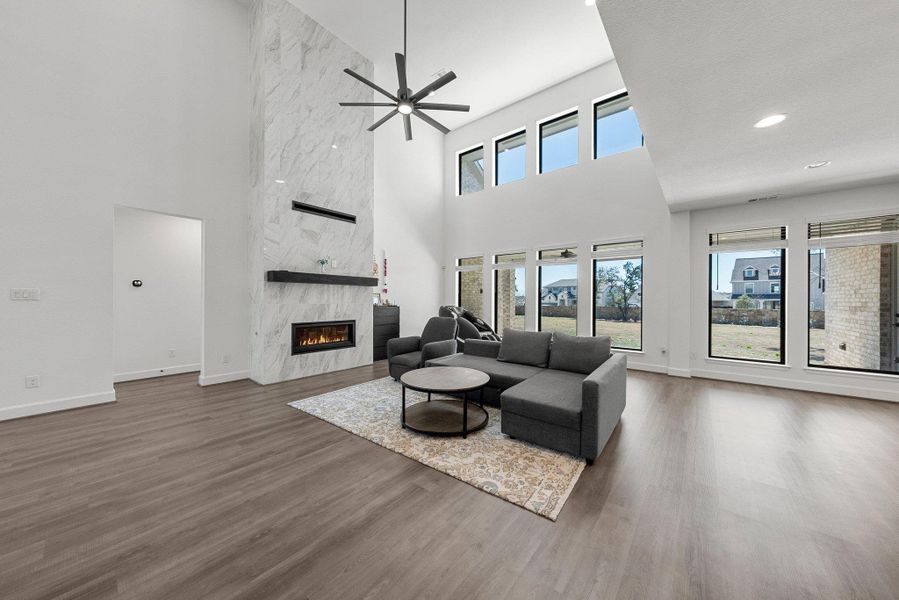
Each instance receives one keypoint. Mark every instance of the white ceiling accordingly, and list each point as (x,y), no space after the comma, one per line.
(501,50)
(702,72)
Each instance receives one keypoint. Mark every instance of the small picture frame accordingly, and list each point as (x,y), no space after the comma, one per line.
(376,298)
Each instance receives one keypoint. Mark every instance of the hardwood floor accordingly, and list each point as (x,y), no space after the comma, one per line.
(706,490)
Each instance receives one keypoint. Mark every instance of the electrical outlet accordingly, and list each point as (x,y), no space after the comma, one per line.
(24,294)
(333,263)
(171,353)
(32,381)
(226,359)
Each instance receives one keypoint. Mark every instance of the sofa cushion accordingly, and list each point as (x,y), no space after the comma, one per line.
(525,347)
(410,359)
(579,354)
(502,375)
(549,396)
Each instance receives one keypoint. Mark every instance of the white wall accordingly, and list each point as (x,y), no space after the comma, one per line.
(408,215)
(157,325)
(111,103)
(611,199)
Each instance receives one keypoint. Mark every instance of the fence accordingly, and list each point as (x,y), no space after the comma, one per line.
(607,313)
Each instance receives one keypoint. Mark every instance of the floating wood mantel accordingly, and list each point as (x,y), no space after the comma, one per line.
(319,278)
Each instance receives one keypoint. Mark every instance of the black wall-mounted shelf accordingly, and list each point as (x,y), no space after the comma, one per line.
(323,212)
(319,278)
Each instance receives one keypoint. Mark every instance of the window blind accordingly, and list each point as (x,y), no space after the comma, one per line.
(748,239)
(618,250)
(854,232)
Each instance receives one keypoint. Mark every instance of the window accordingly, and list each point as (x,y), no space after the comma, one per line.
(775,288)
(469,284)
(774,272)
(615,127)
(510,154)
(853,295)
(618,293)
(557,272)
(558,143)
(743,327)
(471,171)
(508,291)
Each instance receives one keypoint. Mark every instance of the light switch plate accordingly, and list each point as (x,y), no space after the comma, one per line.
(24,294)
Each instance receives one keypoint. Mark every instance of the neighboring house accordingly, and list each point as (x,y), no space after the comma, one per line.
(817,280)
(604,297)
(759,278)
(559,293)
(721,300)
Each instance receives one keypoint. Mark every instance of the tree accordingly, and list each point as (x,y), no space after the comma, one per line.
(622,287)
(744,301)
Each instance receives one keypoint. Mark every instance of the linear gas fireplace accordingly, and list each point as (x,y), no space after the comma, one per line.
(324,335)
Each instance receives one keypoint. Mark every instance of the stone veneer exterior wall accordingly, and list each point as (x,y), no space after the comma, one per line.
(858,307)
(505,298)
(325,157)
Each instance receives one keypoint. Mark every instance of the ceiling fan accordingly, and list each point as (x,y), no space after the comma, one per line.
(405,102)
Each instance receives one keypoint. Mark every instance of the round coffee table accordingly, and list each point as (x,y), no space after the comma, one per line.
(444,417)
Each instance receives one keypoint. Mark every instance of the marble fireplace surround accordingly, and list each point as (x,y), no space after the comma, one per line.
(306,149)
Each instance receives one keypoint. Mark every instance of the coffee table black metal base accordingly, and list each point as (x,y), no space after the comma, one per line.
(444,417)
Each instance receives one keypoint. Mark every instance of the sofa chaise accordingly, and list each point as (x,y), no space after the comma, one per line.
(559,391)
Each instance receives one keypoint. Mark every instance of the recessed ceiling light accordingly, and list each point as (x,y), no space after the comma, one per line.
(279,181)
(334,146)
(818,165)
(589,2)
(770,120)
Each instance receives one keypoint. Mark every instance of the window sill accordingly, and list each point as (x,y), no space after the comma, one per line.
(861,374)
(627,351)
(748,363)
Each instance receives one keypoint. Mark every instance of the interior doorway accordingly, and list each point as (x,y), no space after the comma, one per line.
(157,288)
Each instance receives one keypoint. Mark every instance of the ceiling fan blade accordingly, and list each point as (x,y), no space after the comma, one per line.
(373,86)
(384,119)
(432,106)
(430,121)
(401,72)
(433,86)
(367,104)
(407,123)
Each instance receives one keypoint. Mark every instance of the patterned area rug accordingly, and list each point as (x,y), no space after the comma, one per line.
(534,478)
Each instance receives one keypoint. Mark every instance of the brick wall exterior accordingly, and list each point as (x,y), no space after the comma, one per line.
(505,298)
(858,304)
(470,292)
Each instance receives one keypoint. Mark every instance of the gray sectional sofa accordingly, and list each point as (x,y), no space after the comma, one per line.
(559,391)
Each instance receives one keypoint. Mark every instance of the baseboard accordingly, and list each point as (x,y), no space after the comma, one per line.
(809,386)
(223,378)
(134,375)
(48,406)
(679,372)
(646,367)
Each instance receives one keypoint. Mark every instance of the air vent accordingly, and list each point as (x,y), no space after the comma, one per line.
(760,198)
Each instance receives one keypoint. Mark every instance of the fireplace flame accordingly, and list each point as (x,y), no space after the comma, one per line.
(323,335)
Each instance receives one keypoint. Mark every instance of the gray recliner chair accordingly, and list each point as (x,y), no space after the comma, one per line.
(411,352)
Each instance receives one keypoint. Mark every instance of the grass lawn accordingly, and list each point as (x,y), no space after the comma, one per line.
(746,341)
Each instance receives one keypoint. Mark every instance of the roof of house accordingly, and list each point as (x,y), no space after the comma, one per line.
(720,296)
(762,263)
(562,283)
